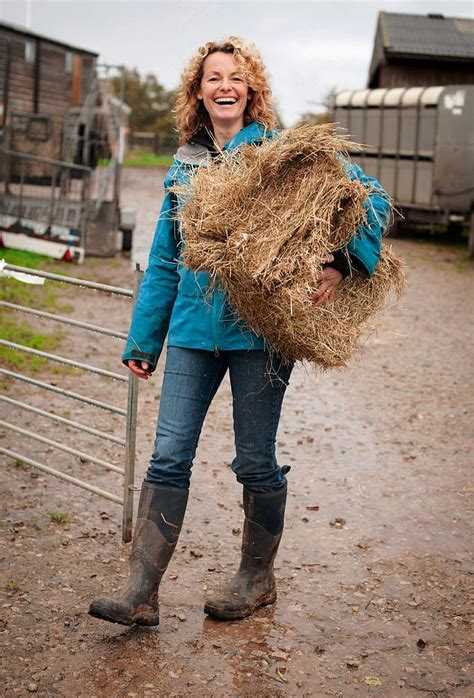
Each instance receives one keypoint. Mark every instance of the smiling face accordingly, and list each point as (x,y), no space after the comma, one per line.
(223,91)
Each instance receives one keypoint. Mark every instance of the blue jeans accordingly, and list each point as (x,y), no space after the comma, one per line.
(191,380)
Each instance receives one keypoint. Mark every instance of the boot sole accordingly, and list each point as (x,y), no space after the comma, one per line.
(239,613)
(97,612)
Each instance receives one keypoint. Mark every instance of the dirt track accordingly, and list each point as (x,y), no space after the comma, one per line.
(376,605)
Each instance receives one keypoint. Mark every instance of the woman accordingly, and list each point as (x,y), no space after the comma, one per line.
(225,101)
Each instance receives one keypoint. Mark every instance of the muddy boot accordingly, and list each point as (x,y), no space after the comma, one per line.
(160,516)
(254,583)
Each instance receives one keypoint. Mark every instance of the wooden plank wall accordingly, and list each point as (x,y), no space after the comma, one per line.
(55,88)
(416,73)
(21,74)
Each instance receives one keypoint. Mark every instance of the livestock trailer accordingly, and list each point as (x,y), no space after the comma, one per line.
(419,144)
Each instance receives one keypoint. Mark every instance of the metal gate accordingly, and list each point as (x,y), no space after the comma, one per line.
(46,200)
(130,413)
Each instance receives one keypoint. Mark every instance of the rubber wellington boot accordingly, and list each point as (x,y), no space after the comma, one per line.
(160,516)
(254,583)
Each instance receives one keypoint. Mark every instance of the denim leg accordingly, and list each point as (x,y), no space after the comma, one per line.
(258,385)
(190,381)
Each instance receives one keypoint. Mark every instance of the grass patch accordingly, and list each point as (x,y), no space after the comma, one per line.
(42,297)
(23,258)
(60,517)
(12,586)
(15,328)
(21,333)
(139,158)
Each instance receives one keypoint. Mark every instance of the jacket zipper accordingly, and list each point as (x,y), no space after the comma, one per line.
(214,322)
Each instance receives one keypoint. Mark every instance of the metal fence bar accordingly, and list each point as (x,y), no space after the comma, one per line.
(65,320)
(46,161)
(63,420)
(62,360)
(86,208)
(53,192)
(22,182)
(130,438)
(62,447)
(71,280)
(130,413)
(66,393)
(62,476)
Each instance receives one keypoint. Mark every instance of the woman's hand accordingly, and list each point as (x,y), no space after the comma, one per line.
(327,282)
(139,368)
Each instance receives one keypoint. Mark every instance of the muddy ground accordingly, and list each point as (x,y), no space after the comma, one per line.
(374,569)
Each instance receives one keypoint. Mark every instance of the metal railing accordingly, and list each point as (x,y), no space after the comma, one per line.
(84,116)
(44,197)
(130,413)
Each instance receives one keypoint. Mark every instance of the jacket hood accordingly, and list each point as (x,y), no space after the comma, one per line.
(197,150)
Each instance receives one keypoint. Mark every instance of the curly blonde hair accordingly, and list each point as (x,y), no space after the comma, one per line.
(190,112)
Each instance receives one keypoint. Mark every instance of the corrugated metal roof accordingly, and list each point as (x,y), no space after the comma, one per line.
(425,35)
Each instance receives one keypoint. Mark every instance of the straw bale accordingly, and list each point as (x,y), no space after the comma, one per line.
(261,221)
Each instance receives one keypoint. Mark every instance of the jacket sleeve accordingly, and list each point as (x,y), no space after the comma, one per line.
(151,316)
(365,247)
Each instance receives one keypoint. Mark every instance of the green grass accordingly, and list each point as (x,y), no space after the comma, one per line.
(139,158)
(60,517)
(41,297)
(21,333)
(15,326)
(11,586)
(22,258)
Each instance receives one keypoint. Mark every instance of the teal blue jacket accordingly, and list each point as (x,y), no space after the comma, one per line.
(175,301)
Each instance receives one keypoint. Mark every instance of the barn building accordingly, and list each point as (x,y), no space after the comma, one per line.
(412,50)
(41,79)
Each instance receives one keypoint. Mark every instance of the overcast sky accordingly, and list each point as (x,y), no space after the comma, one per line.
(309,47)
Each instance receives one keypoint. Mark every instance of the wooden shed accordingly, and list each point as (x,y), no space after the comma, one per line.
(40,80)
(411,50)
(62,141)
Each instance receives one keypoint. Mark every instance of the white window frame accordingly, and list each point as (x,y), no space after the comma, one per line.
(68,61)
(30,51)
